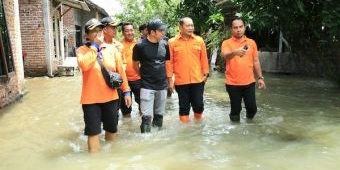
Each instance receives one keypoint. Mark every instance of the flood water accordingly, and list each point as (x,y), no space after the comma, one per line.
(297,127)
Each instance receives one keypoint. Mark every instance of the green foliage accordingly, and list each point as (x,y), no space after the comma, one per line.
(300,20)
(207,17)
(203,12)
(330,18)
(141,11)
(310,26)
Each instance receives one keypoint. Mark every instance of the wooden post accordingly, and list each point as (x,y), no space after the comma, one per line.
(3,54)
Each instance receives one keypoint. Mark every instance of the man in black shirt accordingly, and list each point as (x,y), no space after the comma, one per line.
(149,56)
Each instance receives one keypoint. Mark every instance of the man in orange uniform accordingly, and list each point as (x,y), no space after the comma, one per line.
(110,32)
(189,65)
(133,77)
(242,61)
(99,101)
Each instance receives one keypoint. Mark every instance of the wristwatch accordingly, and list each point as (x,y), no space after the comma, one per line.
(260,77)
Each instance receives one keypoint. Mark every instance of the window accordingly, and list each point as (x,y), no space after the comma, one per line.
(6,57)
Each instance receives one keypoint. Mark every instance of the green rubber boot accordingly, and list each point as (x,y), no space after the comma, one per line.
(157,121)
(145,126)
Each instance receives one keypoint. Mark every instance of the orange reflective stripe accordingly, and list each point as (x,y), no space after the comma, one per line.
(240,70)
(188,60)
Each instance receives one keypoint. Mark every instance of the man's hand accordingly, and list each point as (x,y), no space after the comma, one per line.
(205,77)
(128,101)
(241,51)
(261,84)
(170,85)
(99,38)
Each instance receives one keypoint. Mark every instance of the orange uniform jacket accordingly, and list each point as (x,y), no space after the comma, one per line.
(240,69)
(188,60)
(118,45)
(131,74)
(94,89)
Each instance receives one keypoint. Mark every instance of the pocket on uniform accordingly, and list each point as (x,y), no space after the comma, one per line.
(178,52)
(178,48)
(196,50)
(197,47)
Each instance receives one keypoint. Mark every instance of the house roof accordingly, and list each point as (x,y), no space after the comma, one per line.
(75,4)
(96,7)
(83,5)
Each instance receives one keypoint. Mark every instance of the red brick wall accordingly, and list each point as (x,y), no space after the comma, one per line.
(32,35)
(11,88)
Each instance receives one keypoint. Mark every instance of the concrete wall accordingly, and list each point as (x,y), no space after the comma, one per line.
(12,87)
(38,36)
(274,62)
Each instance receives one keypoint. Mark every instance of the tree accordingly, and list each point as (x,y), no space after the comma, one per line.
(310,26)
(141,11)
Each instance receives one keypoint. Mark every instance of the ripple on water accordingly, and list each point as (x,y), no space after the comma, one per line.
(297,127)
(217,130)
(75,147)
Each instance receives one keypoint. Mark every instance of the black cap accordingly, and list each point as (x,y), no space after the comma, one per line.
(92,24)
(108,21)
(156,24)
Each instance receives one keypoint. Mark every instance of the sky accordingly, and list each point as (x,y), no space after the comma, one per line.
(112,7)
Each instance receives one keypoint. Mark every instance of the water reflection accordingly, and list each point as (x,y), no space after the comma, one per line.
(297,127)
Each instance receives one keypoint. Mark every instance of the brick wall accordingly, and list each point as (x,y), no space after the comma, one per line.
(32,35)
(38,38)
(12,88)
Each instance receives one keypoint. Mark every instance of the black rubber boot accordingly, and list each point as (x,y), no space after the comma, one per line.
(250,115)
(145,127)
(234,118)
(157,121)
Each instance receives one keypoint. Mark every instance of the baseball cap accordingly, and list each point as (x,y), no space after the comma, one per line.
(110,22)
(156,24)
(92,24)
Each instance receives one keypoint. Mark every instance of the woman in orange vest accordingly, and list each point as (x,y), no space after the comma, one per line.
(99,101)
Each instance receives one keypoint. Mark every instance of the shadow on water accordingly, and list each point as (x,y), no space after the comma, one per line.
(296,128)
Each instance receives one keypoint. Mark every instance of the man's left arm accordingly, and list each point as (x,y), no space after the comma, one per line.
(204,61)
(258,72)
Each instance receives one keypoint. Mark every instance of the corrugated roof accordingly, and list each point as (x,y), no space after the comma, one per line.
(75,4)
(96,7)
